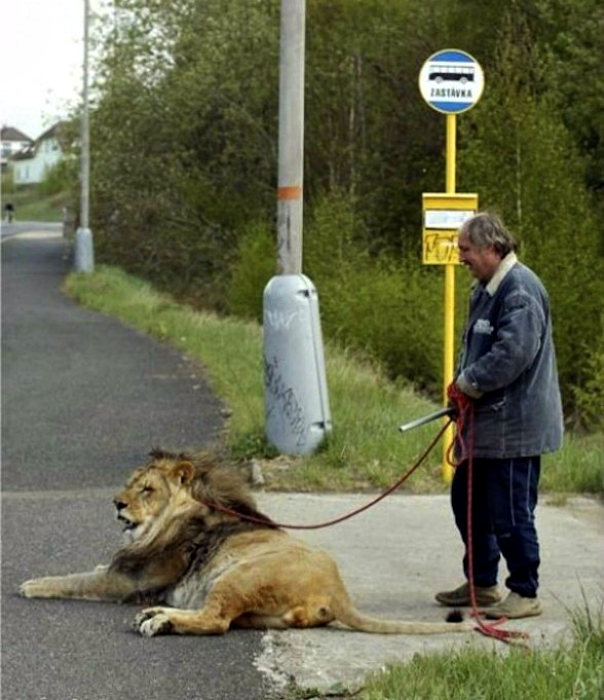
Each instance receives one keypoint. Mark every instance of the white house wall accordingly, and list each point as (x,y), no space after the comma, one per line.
(31,171)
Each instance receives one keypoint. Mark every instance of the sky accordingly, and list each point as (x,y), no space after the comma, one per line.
(41,58)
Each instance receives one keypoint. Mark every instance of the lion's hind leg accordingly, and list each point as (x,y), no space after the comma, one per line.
(310,614)
(154,621)
(300,616)
(258,621)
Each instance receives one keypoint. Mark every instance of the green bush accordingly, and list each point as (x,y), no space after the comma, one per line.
(389,309)
(59,178)
(590,397)
(391,313)
(254,266)
(8,186)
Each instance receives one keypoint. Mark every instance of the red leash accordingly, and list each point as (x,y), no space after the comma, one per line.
(464,407)
(464,411)
(342,518)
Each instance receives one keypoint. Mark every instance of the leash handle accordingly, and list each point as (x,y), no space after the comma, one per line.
(449,412)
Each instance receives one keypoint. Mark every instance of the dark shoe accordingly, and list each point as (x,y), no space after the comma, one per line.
(515,607)
(460,597)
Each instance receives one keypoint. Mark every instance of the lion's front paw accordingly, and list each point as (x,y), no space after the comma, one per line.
(34,588)
(152,622)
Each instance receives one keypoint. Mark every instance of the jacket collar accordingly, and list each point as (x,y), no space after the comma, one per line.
(505,266)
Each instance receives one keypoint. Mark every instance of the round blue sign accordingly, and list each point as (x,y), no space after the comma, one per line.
(451,81)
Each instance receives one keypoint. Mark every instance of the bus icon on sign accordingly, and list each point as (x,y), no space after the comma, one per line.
(451,81)
(460,73)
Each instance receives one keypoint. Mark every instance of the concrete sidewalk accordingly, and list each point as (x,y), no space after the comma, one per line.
(395,556)
(84,399)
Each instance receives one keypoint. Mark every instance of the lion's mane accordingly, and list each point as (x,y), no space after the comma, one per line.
(191,535)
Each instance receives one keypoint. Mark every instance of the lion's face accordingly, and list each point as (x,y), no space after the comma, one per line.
(144,498)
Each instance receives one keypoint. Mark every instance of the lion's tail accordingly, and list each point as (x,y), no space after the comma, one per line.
(345,613)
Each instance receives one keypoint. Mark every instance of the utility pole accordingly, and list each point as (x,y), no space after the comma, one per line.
(297,411)
(291,137)
(84,249)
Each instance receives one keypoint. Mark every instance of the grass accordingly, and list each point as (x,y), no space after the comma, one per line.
(365,450)
(45,209)
(30,205)
(574,671)
(577,468)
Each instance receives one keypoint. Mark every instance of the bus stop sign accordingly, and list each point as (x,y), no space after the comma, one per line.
(451,81)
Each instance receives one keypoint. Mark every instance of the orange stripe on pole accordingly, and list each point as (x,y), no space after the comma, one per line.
(285,193)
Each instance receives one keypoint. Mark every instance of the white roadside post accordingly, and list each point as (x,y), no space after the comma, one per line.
(84,249)
(297,416)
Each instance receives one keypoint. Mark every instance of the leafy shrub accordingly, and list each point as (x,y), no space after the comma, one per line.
(254,266)
(590,397)
(59,178)
(8,185)
(385,308)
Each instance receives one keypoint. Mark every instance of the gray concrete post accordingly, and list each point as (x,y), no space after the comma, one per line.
(297,416)
(291,137)
(84,250)
(297,413)
(84,247)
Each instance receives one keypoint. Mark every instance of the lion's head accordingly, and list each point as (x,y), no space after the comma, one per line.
(171,486)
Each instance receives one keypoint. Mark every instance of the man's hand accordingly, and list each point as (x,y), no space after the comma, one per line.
(464,385)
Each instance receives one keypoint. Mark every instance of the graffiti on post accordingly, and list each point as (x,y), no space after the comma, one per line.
(440,248)
(279,320)
(285,398)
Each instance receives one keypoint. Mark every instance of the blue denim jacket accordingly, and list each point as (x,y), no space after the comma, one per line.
(508,365)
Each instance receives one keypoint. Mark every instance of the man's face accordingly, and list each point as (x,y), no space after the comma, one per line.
(481,261)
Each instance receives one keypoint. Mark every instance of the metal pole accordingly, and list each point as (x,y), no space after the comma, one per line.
(449,321)
(84,213)
(296,404)
(418,422)
(291,137)
(84,251)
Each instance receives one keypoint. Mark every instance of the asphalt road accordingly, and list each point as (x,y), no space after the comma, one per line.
(83,400)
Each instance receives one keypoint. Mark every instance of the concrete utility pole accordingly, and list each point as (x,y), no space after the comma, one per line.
(296,403)
(84,249)
(291,137)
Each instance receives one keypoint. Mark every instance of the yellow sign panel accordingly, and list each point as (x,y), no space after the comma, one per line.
(440,248)
(443,215)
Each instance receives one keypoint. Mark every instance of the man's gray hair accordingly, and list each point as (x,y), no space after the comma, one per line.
(486,229)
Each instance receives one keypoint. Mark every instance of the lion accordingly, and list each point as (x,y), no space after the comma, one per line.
(204,570)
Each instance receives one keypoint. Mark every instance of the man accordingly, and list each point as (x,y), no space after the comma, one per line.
(508,369)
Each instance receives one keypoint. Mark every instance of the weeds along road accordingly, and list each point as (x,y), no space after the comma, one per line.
(84,399)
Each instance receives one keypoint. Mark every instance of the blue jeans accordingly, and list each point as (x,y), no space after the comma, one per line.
(504,497)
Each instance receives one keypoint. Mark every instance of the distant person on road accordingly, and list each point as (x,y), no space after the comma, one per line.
(508,369)
(9,212)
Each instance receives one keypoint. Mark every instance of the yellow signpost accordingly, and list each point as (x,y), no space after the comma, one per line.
(451,82)
(444,213)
